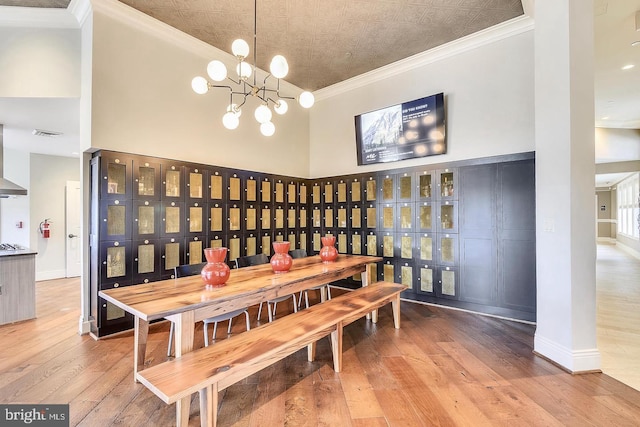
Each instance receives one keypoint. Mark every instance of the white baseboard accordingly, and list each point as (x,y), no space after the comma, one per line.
(50,275)
(84,326)
(607,240)
(574,361)
(628,250)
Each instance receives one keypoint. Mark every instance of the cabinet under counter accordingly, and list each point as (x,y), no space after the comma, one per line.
(17,285)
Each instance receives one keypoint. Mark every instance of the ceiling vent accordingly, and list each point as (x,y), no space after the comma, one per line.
(47,133)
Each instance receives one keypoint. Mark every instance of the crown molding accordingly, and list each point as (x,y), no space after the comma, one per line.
(143,22)
(528,6)
(26,17)
(81,10)
(490,35)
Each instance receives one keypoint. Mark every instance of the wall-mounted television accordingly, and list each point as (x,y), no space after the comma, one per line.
(404,131)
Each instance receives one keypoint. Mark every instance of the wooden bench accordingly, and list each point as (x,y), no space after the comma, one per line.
(211,369)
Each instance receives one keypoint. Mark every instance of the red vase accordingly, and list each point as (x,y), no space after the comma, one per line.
(328,253)
(216,271)
(281,261)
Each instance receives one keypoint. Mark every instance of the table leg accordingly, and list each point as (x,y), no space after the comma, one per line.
(366,274)
(141,331)
(184,344)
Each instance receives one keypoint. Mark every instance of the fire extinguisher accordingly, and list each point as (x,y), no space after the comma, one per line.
(44,228)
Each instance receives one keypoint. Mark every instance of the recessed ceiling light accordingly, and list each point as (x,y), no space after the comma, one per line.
(635,43)
(628,67)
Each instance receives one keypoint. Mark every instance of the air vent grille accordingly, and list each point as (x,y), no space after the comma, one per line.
(47,133)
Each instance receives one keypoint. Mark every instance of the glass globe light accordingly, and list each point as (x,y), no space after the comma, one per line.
(244,70)
(279,67)
(263,114)
(200,85)
(233,108)
(230,120)
(267,128)
(281,106)
(217,71)
(240,48)
(306,99)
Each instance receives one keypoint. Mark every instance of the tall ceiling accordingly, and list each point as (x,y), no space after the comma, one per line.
(328,41)
(324,41)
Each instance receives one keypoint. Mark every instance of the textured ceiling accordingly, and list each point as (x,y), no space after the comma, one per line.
(328,41)
(36,3)
(324,41)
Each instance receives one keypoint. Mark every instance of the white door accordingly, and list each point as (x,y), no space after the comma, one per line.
(73,215)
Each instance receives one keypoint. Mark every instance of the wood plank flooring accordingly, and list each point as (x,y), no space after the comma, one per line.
(443,367)
(618,314)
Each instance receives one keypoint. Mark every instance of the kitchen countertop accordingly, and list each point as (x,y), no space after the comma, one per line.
(22,251)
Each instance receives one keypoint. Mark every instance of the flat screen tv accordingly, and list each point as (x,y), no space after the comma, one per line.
(400,132)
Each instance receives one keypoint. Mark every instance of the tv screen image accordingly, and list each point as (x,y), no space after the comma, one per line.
(404,131)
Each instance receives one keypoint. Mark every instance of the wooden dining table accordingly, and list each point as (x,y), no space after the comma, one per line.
(187,300)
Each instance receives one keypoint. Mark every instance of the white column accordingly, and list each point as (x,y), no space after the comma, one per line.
(565,171)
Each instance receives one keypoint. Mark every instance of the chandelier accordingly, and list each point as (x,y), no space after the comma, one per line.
(269,97)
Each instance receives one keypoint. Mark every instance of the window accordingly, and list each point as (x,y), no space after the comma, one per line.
(628,200)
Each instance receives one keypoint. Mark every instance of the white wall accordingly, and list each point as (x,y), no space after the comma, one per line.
(49,175)
(142,101)
(565,169)
(39,62)
(615,145)
(35,63)
(12,210)
(488,98)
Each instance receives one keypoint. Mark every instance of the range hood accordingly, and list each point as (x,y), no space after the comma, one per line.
(7,188)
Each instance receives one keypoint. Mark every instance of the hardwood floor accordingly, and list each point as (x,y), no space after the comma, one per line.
(443,367)
(618,314)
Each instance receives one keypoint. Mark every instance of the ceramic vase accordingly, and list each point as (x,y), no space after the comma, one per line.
(328,253)
(281,261)
(216,271)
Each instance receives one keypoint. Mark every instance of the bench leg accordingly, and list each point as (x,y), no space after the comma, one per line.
(141,332)
(182,411)
(336,347)
(374,316)
(395,305)
(209,406)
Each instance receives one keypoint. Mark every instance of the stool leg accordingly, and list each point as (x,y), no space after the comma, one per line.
(215,330)
(229,328)
(173,326)
(206,335)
